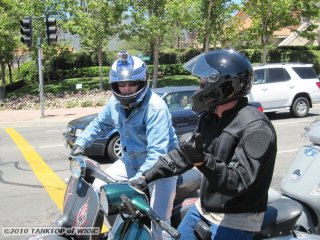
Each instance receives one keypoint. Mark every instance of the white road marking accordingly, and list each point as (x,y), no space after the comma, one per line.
(293,122)
(50,146)
(287,151)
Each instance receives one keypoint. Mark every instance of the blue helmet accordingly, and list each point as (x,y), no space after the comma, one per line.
(128,68)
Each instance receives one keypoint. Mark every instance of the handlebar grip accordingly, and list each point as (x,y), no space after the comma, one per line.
(169,229)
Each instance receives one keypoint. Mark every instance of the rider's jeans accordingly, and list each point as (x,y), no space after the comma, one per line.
(162,193)
(217,232)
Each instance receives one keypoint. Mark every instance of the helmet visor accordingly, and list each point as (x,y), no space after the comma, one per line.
(199,67)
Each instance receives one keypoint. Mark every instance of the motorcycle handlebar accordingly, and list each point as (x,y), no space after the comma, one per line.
(152,215)
(169,229)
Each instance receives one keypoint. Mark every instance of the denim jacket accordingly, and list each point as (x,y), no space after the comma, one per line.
(145,134)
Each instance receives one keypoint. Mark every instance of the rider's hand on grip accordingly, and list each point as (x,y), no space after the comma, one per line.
(190,145)
(139,183)
(76,150)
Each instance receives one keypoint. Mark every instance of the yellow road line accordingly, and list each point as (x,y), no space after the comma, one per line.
(49,179)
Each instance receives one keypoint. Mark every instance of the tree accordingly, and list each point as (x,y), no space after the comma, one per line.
(217,16)
(154,20)
(9,12)
(269,16)
(96,22)
(149,21)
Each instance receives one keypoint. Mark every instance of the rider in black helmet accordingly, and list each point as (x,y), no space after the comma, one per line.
(234,146)
(224,75)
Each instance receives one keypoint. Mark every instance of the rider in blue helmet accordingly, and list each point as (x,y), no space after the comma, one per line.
(145,127)
(131,70)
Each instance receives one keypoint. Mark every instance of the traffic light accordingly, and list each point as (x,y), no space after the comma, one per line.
(51,30)
(26,31)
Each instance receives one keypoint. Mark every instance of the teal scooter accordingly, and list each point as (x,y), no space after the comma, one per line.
(85,208)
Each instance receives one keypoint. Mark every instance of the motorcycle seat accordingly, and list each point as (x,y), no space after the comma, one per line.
(280,218)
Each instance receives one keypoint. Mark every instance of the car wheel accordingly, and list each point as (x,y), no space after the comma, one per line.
(114,149)
(300,107)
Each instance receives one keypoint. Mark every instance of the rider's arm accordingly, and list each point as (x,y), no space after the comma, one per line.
(97,126)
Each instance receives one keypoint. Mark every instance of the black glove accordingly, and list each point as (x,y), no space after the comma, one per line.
(169,165)
(77,150)
(190,145)
(139,183)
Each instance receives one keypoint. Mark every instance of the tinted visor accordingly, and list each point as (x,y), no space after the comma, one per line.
(199,67)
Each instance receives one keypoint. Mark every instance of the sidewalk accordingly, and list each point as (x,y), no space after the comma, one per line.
(9,117)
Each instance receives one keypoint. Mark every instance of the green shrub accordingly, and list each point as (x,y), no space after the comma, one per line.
(86,103)
(71,103)
(79,73)
(168,56)
(188,54)
(29,72)
(15,85)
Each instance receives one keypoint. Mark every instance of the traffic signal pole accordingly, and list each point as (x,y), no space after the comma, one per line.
(27,38)
(40,67)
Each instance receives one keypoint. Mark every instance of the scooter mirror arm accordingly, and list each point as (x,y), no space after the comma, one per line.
(94,170)
(129,206)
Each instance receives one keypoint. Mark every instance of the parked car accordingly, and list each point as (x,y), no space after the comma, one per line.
(183,118)
(285,86)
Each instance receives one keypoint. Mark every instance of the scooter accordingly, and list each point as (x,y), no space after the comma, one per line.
(302,180)
(85,208)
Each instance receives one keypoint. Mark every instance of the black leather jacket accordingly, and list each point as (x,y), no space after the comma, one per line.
(239,156)
(240,151)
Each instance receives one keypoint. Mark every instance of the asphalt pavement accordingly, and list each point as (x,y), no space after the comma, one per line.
(10,118)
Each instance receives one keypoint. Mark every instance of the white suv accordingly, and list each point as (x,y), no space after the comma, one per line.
(285,86)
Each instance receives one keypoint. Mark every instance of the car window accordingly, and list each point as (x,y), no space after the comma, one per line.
(259,76)
(305,72)
(179,100)
(277,75)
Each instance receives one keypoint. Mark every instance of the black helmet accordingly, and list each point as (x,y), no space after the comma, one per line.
(128,68)
(227,75)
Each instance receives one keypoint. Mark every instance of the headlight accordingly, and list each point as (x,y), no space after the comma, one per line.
(70,129)
(78,132)
(77,167)
(104,201)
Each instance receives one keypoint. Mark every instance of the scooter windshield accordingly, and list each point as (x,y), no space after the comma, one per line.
(312,132)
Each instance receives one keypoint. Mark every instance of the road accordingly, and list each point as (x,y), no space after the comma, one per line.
(27,199)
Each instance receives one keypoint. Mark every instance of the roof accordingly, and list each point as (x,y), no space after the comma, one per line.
(246,23)
(283,64)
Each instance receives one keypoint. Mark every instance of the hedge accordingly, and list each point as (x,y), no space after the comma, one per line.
(171,61)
